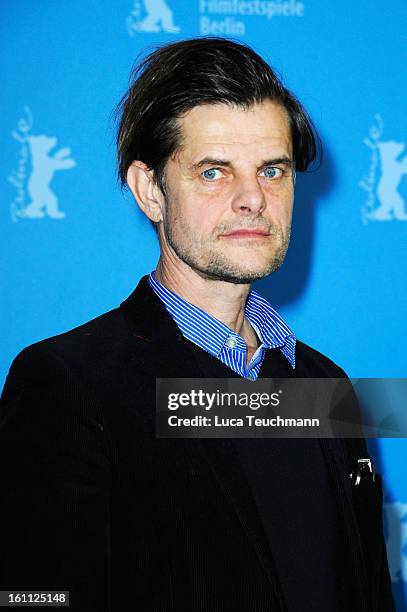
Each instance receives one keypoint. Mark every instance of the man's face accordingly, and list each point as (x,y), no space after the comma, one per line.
(230,192)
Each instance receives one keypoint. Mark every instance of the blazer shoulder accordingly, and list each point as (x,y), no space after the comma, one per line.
(69,352)
(312,363)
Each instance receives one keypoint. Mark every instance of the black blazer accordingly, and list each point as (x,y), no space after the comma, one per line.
(93,503)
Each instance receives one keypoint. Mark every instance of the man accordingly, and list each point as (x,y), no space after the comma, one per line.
(209,142)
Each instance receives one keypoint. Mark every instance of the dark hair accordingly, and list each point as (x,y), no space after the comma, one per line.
(175,77)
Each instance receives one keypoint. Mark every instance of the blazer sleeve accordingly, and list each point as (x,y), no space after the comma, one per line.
(55,482)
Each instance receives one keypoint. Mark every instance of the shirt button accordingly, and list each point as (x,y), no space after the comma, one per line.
(231,342)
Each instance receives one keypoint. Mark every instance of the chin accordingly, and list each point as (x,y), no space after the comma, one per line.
(237,275)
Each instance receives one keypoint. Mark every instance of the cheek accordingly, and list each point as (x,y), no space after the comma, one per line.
(280,205)
(192,214)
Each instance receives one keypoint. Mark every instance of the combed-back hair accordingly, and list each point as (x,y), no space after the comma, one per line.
(176,77)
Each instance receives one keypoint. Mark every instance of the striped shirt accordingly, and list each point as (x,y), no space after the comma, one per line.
(222,342)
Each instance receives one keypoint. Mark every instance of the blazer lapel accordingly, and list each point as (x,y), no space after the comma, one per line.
(226,468)
(158,344)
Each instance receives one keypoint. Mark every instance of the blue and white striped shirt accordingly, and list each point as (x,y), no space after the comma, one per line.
(222,342)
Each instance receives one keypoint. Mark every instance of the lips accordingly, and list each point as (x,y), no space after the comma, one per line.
(245,233)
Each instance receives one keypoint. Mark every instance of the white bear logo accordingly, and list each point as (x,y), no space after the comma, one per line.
(43,199)
(386,155)
(158,18)
(396,544)
(34,172)
(391,202)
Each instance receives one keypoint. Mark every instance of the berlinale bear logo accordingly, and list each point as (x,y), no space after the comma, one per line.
(396,541)
(154,16)
(36,168)
(383,188)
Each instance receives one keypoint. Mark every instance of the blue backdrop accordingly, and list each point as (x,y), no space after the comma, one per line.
(74,246)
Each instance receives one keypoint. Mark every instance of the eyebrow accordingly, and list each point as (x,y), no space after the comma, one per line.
(211,161)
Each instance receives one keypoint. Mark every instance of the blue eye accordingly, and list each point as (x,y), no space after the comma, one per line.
(211,175)
(272,172)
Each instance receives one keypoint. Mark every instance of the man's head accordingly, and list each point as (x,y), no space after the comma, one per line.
(209,141)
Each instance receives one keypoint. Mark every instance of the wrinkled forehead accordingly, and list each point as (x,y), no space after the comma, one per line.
(219,130)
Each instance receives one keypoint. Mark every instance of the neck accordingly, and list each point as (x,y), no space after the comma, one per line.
(223,300)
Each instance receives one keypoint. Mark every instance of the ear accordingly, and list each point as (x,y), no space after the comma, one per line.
(147,194)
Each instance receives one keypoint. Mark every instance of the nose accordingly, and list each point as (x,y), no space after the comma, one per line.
(248,197)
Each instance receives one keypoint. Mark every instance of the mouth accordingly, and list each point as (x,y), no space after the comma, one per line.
(246,233)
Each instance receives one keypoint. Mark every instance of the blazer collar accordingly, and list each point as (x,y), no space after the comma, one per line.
(159,347)
(145,314)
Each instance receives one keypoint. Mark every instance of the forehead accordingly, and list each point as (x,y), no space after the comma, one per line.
(221,128)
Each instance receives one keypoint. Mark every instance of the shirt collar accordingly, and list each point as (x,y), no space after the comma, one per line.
(274,331)
(211,334)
